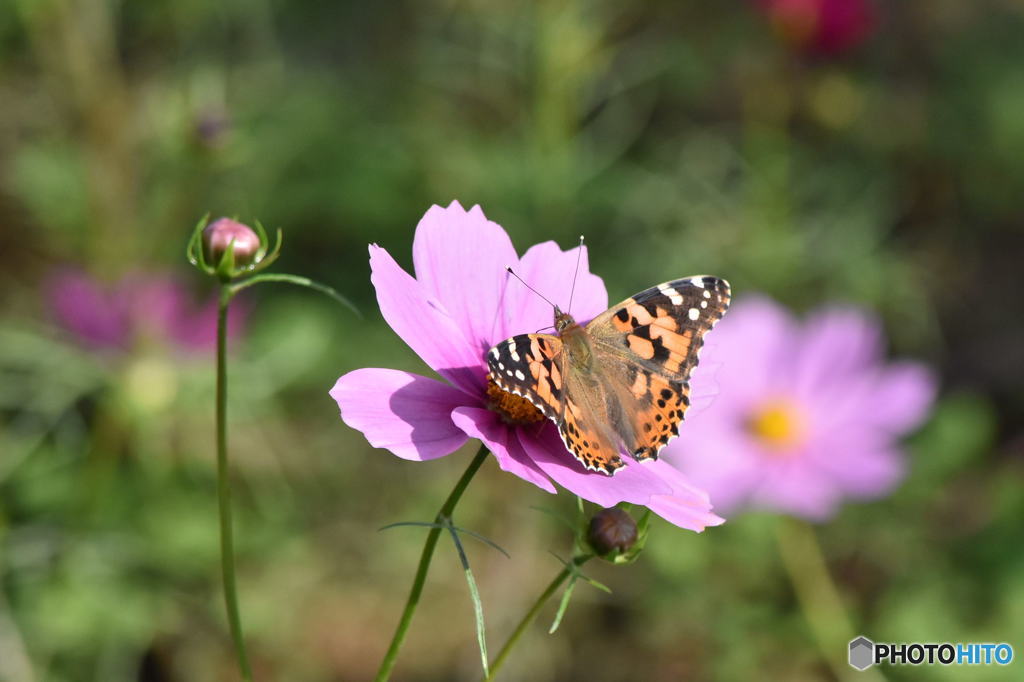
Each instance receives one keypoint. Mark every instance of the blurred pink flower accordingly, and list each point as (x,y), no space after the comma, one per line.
(806,414)
(139,306)
(460,303)
(824,27)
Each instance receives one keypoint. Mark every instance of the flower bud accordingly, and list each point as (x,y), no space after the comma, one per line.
(612,530)
(218,237)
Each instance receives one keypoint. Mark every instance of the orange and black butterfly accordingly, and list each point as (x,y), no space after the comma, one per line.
(621,381)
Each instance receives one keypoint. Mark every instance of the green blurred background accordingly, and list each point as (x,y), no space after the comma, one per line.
(885,168)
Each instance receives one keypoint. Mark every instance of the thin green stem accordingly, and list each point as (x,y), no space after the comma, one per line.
(412,602)
(227,548)
(531,615)
(819,598)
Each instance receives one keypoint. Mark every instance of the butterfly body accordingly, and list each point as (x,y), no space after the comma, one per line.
(621,381)
(574,340)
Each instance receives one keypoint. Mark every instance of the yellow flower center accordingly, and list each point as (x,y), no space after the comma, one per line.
(511,408)
(778,425)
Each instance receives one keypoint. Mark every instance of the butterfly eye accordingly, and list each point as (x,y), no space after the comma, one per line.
(563,321)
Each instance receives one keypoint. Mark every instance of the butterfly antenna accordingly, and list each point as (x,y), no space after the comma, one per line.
(579,254)
(513,273)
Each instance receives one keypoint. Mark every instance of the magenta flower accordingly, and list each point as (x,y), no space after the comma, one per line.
(824,27)
(460,303)
(806,414)
(140,306)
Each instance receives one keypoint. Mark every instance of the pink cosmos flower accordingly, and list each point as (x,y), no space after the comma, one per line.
(461,303)
(824,27)
(806,414)
(138,306)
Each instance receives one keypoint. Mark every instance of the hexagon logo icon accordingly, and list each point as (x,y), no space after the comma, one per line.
(862,653)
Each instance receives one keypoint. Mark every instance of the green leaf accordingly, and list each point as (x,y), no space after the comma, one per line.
(298,281)
(563,605)
(423,524)
(474,593)
(481,538)
(473,534)
(194,249)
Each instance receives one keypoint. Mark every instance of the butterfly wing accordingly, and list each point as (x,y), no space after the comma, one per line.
(530,365)
(587,423)
(534,366)
(646,347)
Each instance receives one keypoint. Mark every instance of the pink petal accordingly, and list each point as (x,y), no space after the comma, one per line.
(862,462)
(719,460)
(893,398)
(835,344)
(793,487)
(633,483)
(753,344)
(96,317)
(485,425)
(686,506)
(460,260)
(402,412)
(550,271)
(425,325)
(904,392)
(704,386)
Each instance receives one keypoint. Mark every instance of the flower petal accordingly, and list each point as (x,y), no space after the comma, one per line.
(836,343)
(893,399)
(633,483)
(862,459)
(905,391)
(425,325)
(402,412)
(687,506)
(792,487)
(550,271)
(97,318)
(485,425)
(704,388)
(460,260)
(753,344)
(717,459)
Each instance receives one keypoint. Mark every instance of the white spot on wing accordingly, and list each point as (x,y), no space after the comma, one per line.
(703,304)
(694,314)
(512,351)
(707,294)
(520,375)
(697,282)
(672,294)
(494,352)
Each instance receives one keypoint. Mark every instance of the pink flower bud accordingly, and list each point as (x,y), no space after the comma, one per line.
(218,235)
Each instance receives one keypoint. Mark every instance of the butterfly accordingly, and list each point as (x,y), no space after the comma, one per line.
(622,381)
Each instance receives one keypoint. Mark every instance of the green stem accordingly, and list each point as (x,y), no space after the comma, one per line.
(819,598)
(531,615)
(227,550)
(412,602)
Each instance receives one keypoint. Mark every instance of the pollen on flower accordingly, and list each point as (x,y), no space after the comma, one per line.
(511,408)
(778,425)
